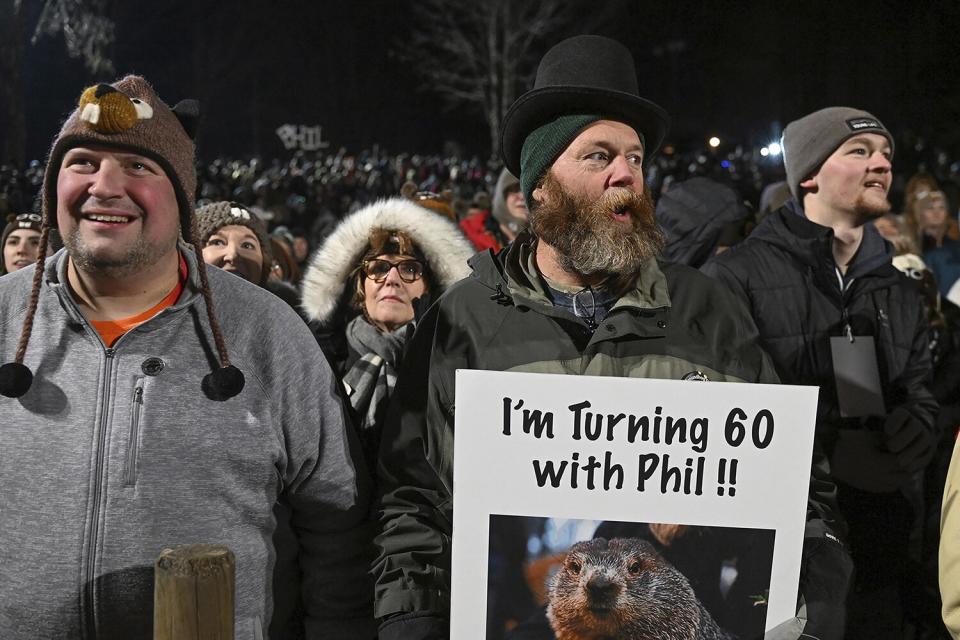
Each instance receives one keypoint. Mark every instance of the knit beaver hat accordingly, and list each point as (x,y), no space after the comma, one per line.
(128,116)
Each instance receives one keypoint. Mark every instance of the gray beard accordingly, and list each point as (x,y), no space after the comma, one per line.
(585,237)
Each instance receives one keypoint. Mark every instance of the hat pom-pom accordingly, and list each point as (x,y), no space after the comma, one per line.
(224,383)
(15,379)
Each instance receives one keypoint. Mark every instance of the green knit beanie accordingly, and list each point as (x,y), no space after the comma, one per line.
(542,147)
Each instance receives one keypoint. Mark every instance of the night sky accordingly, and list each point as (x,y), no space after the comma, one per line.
(737,70)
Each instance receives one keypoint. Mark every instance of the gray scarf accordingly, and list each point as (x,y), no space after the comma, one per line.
(371,379)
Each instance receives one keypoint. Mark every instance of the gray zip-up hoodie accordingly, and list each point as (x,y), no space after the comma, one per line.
(114,454)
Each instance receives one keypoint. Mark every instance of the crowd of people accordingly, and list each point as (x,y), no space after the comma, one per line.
(274,345)
(311,191)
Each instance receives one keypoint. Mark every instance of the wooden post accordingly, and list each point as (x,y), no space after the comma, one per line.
(193,596)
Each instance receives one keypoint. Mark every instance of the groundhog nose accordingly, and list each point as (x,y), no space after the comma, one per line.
(602,588)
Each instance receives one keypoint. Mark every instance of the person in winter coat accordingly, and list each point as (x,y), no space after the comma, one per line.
(20,242)
(834,312)
(364,289)
(498,227)
(944,322)
(153,401)
(582,293)
(696,216)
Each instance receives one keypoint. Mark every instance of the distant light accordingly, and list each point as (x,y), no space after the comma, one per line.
(764,152)
(714,142)
(668,150)
(774,149)
(725,164)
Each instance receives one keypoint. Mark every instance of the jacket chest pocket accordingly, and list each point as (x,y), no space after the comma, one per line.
(133,444)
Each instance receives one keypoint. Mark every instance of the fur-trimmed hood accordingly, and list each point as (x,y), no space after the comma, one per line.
(440,241)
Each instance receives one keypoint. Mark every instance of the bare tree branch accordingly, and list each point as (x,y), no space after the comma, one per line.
(480,54)
(87,32)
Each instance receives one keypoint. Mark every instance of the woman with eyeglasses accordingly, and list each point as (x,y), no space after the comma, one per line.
(21,242)
(365,287)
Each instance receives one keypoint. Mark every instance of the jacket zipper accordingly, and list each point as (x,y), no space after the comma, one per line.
(130,478)
(91,550)
(845,316)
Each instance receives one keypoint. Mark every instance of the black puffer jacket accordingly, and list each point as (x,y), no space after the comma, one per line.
(693,214)
(786,272)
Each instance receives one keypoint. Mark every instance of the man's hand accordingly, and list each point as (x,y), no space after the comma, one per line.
(861,459)
(909,439)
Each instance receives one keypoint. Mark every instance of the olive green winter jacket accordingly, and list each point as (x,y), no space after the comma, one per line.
(674,322)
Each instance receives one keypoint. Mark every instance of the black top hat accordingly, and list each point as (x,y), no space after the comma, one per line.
(583,75)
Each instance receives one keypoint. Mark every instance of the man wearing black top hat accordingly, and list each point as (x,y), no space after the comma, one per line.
(580,293)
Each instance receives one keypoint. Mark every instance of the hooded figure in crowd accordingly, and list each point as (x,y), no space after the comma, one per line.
(20,242)
(365,288)
(507,217)
(153,400)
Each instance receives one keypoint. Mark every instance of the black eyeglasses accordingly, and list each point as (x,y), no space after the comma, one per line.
(378,270)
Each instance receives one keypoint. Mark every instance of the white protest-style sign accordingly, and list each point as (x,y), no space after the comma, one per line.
(715,454)
(301,136)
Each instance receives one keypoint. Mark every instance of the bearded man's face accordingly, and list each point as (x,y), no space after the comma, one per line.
(592,206)
(610,235)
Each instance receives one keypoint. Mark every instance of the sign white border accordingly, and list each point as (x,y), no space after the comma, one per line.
(494,473)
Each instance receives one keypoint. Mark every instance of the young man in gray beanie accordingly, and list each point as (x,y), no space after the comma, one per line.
(135,418)
(834,312)
(582,292)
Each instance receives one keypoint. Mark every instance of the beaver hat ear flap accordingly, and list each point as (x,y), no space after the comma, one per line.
(15,379)
(188,113)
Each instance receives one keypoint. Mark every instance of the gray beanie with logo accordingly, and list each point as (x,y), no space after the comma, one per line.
(809,141)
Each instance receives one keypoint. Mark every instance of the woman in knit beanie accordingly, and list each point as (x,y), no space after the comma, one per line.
(235,239)
(20,242)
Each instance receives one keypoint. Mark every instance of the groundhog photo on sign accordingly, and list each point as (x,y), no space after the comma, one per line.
(623,589)
(572,579)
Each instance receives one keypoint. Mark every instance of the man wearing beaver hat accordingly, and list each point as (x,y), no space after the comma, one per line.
(127,425)
(582,292)
(834,312)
